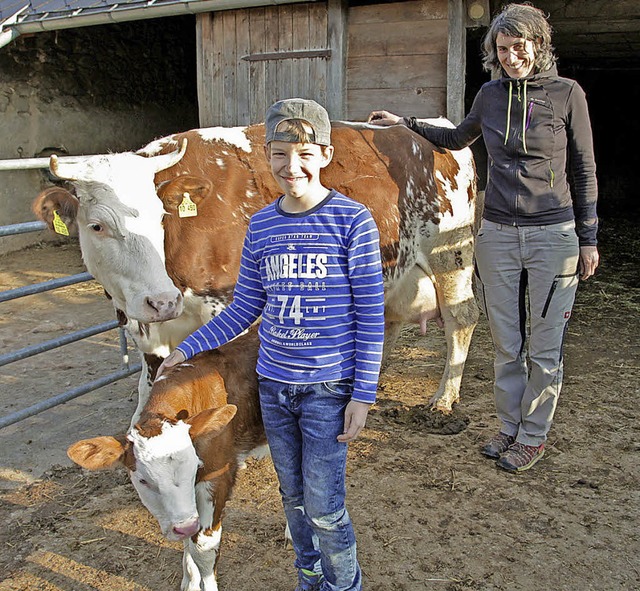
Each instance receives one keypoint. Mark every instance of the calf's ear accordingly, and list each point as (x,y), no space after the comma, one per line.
(211,421)
(98,453)
(56,201)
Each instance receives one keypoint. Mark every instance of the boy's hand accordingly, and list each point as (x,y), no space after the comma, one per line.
(355,417)
(173,359)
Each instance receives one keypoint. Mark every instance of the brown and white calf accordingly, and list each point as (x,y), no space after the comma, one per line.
(201,420)
(162,229)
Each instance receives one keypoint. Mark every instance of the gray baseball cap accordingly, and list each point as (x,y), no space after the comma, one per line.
(296,108)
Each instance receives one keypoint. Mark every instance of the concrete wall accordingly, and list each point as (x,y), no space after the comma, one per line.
(88,91)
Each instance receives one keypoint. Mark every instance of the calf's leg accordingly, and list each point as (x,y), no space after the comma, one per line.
(199,561)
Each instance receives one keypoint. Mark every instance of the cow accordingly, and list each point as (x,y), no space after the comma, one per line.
(162,229)
(200,422)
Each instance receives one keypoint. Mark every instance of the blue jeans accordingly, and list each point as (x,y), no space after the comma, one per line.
(302,422)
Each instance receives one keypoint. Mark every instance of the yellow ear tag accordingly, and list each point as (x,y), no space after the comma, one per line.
(58,225)
(187,209)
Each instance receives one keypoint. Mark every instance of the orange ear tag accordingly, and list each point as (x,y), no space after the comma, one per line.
(58,225)
(187,209)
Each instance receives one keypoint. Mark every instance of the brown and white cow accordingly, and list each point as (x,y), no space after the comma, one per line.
(201,420)
(168,274)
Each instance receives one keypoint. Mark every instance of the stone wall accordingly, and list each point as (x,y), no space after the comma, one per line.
(91,90)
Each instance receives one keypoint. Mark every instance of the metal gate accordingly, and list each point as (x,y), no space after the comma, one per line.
(10,357)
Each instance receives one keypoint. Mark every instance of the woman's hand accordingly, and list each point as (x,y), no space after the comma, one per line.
(173,359)
(383,118)
(588,262)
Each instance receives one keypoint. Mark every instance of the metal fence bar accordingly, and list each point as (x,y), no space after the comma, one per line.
(23,228)
(66,396)
(5,359)
(71,337)
(18,292)
(35,163)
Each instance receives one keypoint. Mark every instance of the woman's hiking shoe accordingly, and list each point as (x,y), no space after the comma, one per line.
(520,457)
(497,445)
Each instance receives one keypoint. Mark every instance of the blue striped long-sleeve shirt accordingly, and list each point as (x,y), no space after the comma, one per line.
(316,279)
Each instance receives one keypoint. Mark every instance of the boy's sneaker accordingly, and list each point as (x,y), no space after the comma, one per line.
(497,445)
(308,580)
(520,457)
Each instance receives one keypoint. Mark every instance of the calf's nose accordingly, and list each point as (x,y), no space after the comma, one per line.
(187,529)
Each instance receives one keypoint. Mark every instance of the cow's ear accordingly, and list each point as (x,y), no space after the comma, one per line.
(211,421)
(172,192)
(55,205)
(99,453)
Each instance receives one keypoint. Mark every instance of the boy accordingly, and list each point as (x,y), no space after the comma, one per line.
(311,267)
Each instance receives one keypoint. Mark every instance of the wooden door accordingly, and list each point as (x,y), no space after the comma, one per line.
(250,58)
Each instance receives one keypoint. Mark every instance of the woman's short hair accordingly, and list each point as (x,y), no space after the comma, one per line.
(519,20)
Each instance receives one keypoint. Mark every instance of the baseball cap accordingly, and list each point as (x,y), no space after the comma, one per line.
(296,108)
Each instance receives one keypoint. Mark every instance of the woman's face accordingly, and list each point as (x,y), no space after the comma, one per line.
(516,55)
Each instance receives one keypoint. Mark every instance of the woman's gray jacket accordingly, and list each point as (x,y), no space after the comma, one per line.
(541,163)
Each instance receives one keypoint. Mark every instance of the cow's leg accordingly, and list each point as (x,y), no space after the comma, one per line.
(453,269)
(199,560)
(458,331)
(144,389)
(392,330)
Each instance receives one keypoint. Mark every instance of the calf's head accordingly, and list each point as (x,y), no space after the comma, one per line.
(118,217)
(162,461)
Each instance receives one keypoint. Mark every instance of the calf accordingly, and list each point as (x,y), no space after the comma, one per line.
(201,421)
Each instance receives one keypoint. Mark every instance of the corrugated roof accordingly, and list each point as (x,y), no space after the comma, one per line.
(38,9)
(23,16)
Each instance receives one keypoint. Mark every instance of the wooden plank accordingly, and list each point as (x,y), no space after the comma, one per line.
(412,38)
(337,66)
(257,100)
(589,9)
(272,43)
(300,41)
(230,99)
(457,61)
(286,43)
(317,40)
(402,102)
(243,86)
(398,12)
(287,55)
(217,80)
(204,48)
(405,71)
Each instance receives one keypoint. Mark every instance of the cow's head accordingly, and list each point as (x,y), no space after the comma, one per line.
(163,466)
(118,217)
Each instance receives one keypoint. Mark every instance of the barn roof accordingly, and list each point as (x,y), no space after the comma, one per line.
(32,16)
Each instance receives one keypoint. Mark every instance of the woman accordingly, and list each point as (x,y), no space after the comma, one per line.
(538,233)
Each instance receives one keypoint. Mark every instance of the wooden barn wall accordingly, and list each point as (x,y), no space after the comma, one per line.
(397,58)
(385,55)
(246,63)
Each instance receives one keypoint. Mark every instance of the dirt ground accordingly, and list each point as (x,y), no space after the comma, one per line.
(430,512)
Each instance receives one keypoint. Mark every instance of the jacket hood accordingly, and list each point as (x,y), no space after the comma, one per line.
(552,72)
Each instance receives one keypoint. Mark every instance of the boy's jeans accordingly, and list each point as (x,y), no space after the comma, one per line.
(302,422)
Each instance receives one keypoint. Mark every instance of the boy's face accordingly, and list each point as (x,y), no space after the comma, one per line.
(296,167)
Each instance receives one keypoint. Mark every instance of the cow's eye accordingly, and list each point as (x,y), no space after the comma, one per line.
(143,482)
(95,227)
